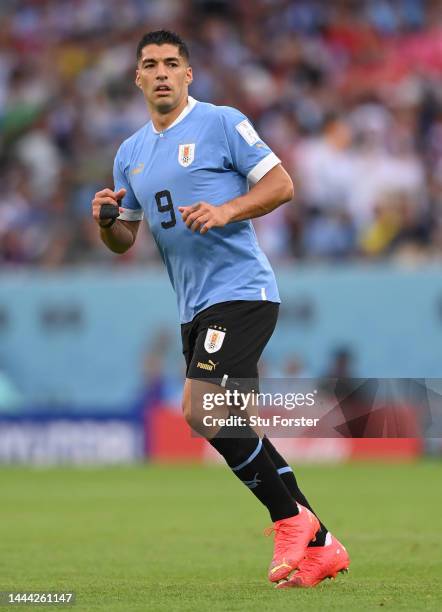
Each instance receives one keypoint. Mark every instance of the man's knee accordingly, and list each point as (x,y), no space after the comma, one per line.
(191,409)
(187,411)
(194,409)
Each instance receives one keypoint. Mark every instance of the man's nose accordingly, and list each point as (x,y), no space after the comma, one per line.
(161,73)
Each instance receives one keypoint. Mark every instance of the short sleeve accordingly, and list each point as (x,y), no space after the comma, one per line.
(132,210)
(250,156)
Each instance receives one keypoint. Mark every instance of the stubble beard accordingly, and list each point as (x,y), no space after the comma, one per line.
(165,107)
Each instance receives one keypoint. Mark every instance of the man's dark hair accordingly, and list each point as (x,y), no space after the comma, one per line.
(163,37)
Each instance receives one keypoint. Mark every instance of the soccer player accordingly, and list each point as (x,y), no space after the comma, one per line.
(188,171)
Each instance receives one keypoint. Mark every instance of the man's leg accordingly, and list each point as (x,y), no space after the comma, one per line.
(289,479)
(244,452)
(222,346)
(242,449)
(325,556)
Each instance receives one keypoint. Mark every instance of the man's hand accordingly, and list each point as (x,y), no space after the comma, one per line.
(106,196)
(120,235)
(204,216)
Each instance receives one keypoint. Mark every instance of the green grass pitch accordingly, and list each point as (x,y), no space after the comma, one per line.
(189,538)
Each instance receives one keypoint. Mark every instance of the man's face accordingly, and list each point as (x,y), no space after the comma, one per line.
(163,76)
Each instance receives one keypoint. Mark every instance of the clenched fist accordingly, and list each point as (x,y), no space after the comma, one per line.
(106,196)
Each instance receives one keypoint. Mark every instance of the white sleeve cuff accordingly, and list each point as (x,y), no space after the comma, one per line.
(129,214)
(261,168)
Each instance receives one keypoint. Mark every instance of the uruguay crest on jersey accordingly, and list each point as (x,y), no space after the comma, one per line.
(186,154)
(214,340)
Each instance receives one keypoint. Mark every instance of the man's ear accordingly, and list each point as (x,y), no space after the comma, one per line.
(189,75)
(138,79)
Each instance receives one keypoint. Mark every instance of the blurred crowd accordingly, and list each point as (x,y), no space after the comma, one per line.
(347,93)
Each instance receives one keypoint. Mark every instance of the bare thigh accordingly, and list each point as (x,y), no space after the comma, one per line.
(195,395)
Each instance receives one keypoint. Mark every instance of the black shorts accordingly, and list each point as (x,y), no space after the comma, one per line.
(223,343)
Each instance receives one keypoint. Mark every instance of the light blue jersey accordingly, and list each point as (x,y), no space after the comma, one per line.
(210,153)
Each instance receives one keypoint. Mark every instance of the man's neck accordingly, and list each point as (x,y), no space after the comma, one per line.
(161,121)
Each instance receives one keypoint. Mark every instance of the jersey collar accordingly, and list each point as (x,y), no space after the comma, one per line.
(186,110)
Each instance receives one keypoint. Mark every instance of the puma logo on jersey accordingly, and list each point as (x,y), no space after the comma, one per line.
(138,169)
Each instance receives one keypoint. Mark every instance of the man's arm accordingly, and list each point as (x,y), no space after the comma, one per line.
(275,188)
(121,235)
